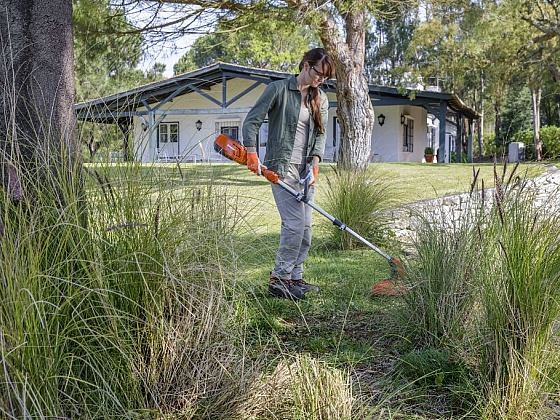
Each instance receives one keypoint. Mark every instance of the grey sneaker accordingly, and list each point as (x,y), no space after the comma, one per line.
(306,287)
(284,289)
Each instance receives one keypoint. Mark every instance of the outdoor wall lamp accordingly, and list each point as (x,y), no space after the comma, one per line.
(144,123)
(198,125)
(381,119)
(403,119)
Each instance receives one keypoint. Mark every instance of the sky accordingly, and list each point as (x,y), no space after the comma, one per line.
(167,57)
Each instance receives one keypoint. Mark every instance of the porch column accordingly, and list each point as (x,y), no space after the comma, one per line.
(459,139)
(442,127)
(470,141)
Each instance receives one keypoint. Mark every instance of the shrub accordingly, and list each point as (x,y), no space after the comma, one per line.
(519,285)
(358,199)
(550,138)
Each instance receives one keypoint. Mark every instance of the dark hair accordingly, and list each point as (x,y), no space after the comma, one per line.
(317,57)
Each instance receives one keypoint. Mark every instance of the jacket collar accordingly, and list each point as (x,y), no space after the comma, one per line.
(293,83)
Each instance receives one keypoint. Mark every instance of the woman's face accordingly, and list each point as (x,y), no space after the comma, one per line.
(316,74)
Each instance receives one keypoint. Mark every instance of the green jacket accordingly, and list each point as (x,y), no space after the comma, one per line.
(281,100)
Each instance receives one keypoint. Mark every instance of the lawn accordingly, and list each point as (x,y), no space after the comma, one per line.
(344,326)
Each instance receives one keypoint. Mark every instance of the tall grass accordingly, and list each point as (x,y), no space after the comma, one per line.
(359,199)
(520,302)
(131,311)
(487,288)
(440,275)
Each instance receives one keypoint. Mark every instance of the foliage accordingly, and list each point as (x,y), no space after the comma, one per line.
(358,200)
(387,42)
(489,147)
(281,49)
(125,314)
(103,63)
(550,138)
(107,51)
(432,368)
(516,115)
(428,150)
(440,276)
(488,284)
(519,300)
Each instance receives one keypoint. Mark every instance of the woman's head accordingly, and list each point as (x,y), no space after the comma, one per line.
(318,63)
(316,67)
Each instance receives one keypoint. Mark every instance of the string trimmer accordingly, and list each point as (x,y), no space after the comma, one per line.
(235,151)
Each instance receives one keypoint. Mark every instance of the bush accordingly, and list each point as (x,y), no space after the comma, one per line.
(359,199)
(550,138)
(489,147)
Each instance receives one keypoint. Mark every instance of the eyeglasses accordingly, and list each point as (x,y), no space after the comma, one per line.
(321,75)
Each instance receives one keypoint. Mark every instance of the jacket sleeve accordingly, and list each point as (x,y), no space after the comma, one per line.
(257,115)
(321,138)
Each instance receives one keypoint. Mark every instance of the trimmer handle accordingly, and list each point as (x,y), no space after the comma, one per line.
(270,175)
(234,150)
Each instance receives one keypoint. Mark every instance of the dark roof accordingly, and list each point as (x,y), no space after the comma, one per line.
(123,104)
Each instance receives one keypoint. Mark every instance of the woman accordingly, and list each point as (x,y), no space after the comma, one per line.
(297,115)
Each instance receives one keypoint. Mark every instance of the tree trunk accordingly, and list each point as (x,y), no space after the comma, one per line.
(356,117)
(355,112)
(536,97)
(37,118)
(481,119)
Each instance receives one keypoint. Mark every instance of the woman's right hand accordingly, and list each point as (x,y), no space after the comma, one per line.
(253,163)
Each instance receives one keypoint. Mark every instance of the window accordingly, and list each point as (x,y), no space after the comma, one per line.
(408,135)
(228,127)
(168,133)
(230,131)
(262,135)
(431,137)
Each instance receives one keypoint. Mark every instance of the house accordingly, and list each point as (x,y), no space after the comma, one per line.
(177,119)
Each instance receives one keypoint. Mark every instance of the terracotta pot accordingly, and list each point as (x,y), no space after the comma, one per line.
(429,158)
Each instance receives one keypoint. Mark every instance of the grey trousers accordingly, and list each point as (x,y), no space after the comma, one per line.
(295,230)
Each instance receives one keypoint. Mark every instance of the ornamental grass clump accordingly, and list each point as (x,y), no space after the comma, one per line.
(438,305)
(358,199)
(519,285)
(117,302)
(300,388)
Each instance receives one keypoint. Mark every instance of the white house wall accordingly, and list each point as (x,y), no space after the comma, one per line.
(197,145)
(186,109)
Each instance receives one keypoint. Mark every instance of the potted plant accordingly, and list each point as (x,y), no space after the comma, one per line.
(429,154)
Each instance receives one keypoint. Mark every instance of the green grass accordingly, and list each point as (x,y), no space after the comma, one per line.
(159,308)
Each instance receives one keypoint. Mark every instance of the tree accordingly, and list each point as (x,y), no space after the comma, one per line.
(341,27)
(386,46)
(540,53)
(474,49)
(279,50)
(37,119)
(108,50)
(516,115)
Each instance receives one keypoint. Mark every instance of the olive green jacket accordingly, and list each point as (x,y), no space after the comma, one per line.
(281,100)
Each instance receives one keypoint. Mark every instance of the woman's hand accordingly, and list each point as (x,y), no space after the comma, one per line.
(253,163)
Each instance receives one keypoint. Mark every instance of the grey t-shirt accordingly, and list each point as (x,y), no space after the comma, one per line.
(299,153)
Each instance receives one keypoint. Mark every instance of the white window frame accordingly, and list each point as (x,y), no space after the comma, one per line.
(229,128)
(165,129)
